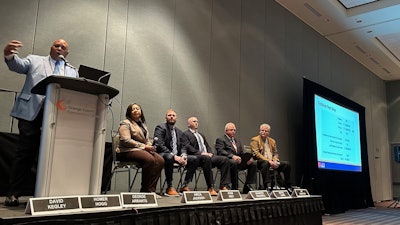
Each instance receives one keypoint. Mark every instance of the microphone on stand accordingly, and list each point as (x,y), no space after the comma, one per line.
(65,61)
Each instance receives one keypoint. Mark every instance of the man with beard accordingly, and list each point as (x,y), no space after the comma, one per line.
(168,142)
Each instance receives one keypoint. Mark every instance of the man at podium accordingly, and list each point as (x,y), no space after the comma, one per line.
(28,107)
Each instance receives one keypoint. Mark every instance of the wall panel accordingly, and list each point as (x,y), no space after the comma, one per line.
(240,61)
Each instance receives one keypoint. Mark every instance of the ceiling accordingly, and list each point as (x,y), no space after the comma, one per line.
(370,32)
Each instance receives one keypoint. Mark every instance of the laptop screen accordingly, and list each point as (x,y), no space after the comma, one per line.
(94,74)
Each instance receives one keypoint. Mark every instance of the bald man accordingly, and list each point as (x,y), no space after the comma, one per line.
(194,143)
(28,107)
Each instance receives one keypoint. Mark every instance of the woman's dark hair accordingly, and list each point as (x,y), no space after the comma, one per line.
(129,110)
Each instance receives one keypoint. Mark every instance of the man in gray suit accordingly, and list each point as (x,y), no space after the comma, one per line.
(28,108)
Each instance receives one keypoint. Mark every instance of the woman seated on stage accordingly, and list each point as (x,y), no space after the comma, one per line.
(135,146)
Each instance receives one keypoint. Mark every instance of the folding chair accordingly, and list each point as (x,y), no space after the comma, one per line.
(197,174)
(177,169)
(119,166)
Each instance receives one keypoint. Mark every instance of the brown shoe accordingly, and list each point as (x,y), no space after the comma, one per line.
(185,188)
(171,191)
(223,189)
(212,192)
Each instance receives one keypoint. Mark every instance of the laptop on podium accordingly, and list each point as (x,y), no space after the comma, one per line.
(94,74)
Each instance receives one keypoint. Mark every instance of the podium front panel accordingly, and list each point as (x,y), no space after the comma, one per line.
(67,145)
(73,146)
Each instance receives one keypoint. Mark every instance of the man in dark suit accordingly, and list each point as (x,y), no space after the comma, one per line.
(169,147)
(28,107)
(231,148)
(194,143)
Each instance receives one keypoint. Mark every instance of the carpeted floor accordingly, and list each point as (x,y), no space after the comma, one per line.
(385,213)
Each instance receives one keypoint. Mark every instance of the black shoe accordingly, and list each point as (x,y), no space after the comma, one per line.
(246,189)
(268,186)
(11,201)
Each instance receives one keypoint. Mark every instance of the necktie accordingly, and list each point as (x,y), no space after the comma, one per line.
(234,144)
(57,67)
(199,138)
(174,147)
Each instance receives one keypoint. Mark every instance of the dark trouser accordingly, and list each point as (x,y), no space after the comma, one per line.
(251,172)
(169,167)
(191,167)
(205,163)
(284,168)
(222,163)
(151,163)
(26,153)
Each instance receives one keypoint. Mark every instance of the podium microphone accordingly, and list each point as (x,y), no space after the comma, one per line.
(65,61)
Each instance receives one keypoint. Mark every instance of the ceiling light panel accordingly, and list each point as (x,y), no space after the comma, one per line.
(348,4)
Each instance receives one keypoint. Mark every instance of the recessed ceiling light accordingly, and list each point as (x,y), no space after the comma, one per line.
(354,3)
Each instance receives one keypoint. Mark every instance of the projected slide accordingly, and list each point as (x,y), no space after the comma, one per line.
(337,135)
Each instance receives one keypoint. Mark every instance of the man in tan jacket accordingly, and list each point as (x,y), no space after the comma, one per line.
(265,151)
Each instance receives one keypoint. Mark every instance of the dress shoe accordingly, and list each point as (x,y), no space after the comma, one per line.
(171,192)
(223,188)
(184,188)
(268,186)
(11,201)
(212,191)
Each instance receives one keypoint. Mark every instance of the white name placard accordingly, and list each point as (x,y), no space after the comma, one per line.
(258,195)
(280,194)
(300,193)
(53,205)
(138,200)
(100,202)
(196,197)
(229,195)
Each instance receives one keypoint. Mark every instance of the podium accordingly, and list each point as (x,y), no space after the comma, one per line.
(73,136)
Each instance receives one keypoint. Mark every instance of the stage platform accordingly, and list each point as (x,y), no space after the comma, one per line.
(171,211)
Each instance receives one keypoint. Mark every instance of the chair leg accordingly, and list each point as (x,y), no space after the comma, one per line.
(260,181)
(129,179)
(197,177)
(162,185)
(109,182)
(130,185)
(181,171)
(394,203)
(215,177)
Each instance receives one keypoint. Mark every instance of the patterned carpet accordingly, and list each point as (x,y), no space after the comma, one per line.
(380,214)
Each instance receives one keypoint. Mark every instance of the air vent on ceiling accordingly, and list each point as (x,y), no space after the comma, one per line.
(387,71)
(314,11)
(360,49)
(374,61)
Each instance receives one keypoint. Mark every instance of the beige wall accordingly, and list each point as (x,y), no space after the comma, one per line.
(220,60)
